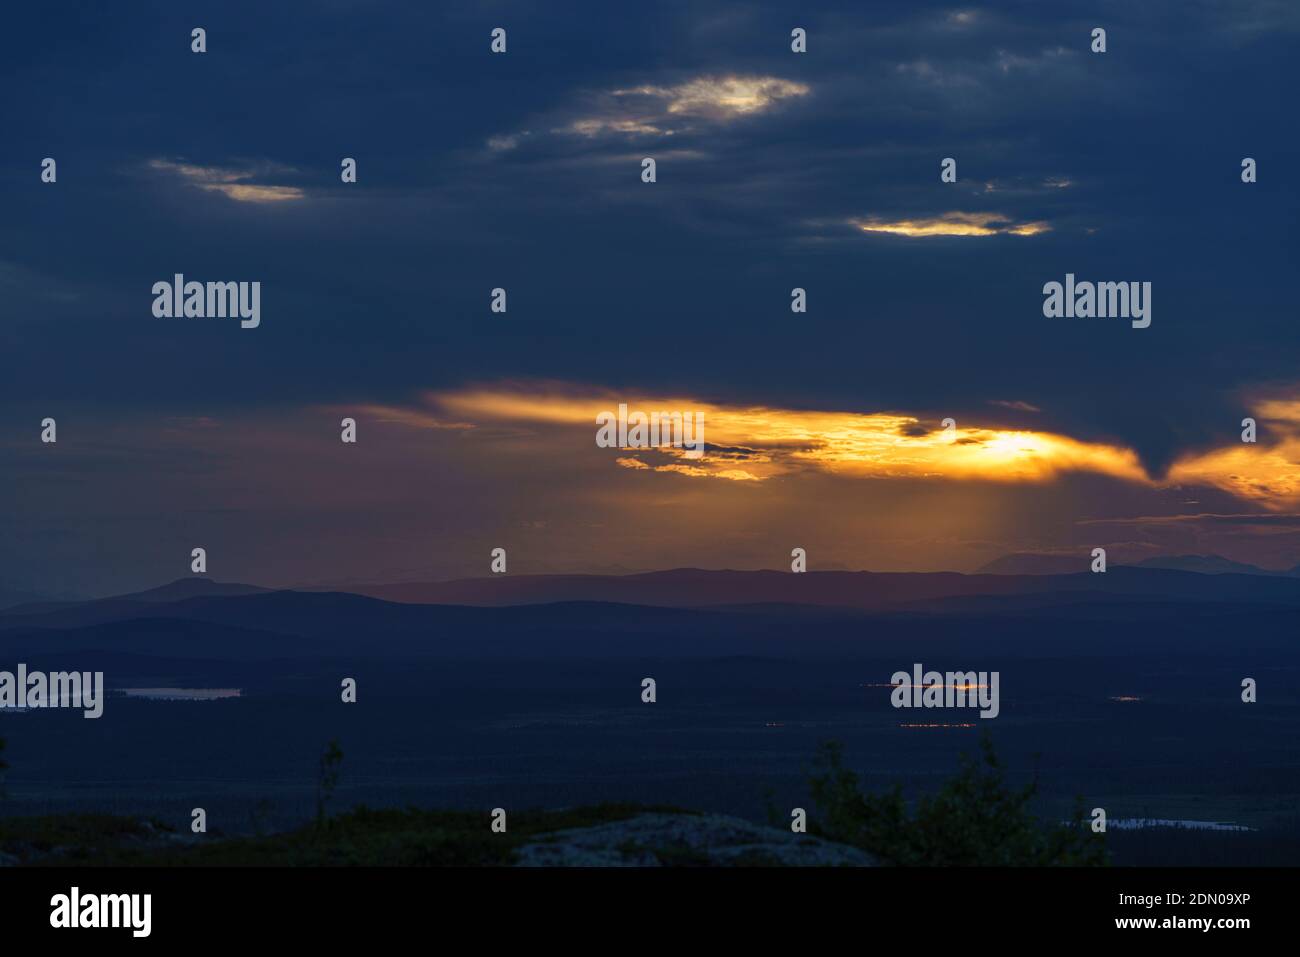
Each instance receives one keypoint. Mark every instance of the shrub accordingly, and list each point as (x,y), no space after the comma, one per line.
(974,819)
(331,765)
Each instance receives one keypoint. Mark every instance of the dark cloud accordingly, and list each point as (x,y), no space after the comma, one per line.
(472,176)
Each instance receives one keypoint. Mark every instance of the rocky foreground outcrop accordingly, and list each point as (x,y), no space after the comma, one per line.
(606,835)
(665,840)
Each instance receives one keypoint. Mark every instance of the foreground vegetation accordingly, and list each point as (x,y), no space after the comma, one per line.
(975,819)
(360,837)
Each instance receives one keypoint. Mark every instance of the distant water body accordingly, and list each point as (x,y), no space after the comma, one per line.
(182,694)
(1137,823)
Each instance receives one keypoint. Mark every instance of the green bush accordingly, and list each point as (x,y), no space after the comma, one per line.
(975,819)
(331,766)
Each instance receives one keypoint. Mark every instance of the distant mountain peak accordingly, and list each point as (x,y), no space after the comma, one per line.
(1205,565)
(1030,563)
(1034,563)
(192,586)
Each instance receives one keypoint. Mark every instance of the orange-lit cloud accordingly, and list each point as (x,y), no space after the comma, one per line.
(953,224)
(659,110)
(1267,474)
(750,443)
(755,443)
(721,97)
(228,182)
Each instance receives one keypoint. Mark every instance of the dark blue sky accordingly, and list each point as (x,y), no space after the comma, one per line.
(522,170)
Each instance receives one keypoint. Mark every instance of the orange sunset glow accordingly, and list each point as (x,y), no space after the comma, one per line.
(755,443)
(954,224)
